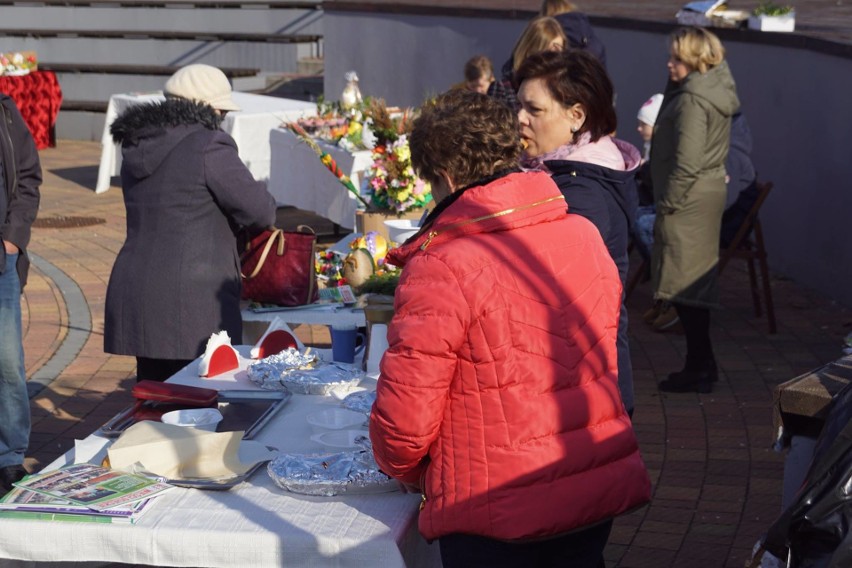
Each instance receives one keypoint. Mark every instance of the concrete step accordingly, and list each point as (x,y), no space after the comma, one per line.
(310,65)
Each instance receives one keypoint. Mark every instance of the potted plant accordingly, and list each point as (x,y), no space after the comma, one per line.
(771,17)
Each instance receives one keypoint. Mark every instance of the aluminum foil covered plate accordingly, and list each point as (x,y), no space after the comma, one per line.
(360,401)
(303,374)
(330,474)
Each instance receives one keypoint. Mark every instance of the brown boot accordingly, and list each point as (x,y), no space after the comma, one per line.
(666,319)
(653,313)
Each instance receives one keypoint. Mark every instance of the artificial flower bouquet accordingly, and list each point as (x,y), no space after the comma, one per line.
(360,126)
(18,63)
(391,182)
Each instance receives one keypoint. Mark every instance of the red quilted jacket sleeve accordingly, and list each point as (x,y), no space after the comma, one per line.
(424,336)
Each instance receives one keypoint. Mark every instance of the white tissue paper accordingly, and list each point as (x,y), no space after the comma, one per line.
(219,356)
(275,340)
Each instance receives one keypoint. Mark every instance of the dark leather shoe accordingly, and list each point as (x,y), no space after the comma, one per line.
(691,381)
(9,475)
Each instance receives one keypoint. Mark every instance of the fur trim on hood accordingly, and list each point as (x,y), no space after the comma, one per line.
(170,113)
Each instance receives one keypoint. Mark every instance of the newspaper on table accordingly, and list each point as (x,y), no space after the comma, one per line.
(95,487)
(26,504)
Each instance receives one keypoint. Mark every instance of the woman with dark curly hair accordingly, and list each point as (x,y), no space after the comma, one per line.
(567,119)
(498,396)
(176,279)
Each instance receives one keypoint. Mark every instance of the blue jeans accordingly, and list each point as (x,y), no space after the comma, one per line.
(14,401)
(643,230)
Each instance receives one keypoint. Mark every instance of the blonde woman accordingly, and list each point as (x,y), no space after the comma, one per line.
(540,35)
(688,151)
(576,26)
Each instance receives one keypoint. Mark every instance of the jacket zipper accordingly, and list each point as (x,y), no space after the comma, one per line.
(422,490)
(433,234)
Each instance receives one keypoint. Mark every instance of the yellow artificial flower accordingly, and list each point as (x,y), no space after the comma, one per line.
(403,152)
(354,128)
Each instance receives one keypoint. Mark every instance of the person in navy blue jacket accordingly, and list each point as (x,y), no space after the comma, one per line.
(576,26)
(566,120)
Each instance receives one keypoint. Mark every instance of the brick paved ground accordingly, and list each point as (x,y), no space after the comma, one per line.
(717,483)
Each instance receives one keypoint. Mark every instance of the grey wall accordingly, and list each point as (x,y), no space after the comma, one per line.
(796,101)
(405,59)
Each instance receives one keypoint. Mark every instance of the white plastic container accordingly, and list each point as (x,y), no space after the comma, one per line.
(201,418)
(334,419)
(764,23)
(401,229)
(340,439)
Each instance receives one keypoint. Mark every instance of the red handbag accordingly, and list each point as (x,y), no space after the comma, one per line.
(278,268)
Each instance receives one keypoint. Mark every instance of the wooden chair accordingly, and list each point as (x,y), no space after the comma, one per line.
(752,250)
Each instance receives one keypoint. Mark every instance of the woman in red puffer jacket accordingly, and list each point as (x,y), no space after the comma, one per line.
(498,395)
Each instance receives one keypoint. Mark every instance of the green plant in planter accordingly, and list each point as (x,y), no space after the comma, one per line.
(772,9)
(382,282)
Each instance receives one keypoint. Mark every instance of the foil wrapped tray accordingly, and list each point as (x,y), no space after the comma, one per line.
(360,401)
(330,474)
(301,374)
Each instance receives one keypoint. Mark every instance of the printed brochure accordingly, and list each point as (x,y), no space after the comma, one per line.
(94,487)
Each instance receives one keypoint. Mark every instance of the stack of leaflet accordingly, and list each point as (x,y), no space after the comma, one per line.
(83,493)
(710,13)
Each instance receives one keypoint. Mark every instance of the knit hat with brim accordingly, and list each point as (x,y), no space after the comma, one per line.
(202,83)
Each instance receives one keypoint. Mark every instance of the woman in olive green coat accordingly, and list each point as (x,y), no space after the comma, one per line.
(688,152)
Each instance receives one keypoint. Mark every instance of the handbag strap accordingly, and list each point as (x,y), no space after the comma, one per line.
(312,281)
(277,233)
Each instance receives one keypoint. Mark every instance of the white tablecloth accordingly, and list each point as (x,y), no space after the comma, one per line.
(254,524)
(249,127)
(298,178)
(318,315)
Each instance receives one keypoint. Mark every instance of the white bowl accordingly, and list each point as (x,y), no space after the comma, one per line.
(340,439)
(201,418)
(334,419)
(401,229)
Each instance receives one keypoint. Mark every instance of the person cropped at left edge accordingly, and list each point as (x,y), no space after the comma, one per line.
(20,178)
(176,280)
(498,395)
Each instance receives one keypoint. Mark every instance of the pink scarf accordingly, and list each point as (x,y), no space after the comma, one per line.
(604,152)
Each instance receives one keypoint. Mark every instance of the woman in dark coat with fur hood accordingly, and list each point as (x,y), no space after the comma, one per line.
(176,280)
